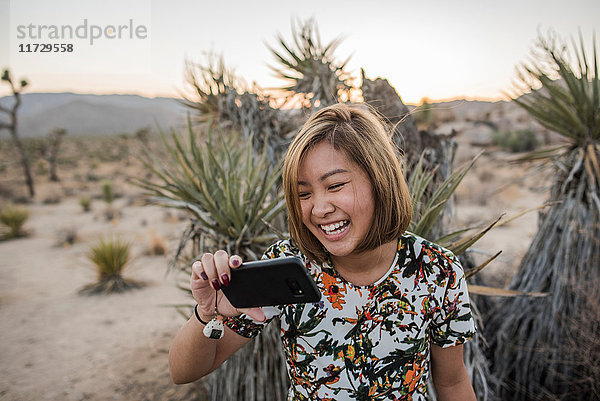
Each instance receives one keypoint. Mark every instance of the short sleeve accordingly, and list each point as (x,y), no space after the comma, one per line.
(246,326)
(454,324)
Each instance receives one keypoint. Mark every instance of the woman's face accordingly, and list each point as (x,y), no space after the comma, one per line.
(336,198)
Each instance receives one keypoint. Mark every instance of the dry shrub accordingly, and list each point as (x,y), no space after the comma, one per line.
(157,245)
(52,198)
(112,215)
(66,237)
(486,175)
(86,203)
(13,218)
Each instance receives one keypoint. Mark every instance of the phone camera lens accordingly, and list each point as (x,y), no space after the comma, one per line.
(294,287)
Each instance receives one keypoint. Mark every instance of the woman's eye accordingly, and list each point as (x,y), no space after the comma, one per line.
(303,195)
(336,186)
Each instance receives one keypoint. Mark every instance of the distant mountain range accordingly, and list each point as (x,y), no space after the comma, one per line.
(84,115)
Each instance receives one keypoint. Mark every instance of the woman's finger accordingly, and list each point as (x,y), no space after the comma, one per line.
(198,271)
(255,313)
(235,261)
(221,260)
(208,265)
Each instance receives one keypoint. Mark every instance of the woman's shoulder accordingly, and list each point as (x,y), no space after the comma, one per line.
(422,248)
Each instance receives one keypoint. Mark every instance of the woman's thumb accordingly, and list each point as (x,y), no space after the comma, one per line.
(255,313)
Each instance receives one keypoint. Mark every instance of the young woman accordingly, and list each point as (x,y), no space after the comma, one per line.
(393,303)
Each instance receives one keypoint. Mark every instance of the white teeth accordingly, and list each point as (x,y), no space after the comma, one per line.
(329,229)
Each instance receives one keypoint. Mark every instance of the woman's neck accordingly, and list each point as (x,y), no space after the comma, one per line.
(367,267)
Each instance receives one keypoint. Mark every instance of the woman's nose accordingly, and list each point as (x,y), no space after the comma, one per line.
(322,206)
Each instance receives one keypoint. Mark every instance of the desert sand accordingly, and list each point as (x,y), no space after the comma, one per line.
(59,345)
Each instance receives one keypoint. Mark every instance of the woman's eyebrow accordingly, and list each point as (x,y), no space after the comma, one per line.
(332,172)
(326,175)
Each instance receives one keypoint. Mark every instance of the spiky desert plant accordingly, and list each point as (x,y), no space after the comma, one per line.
(48,149)
(232,195)
(211,83)
(223,100)
(108,195)
(110,258)
(424,114)
(85,202)
(429,206)
(13,218)
(310,68)
(428,210)
(228,189)
(528,337)
(107,192)
(516,141)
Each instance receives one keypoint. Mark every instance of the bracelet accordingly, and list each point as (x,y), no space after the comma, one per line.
(198,315)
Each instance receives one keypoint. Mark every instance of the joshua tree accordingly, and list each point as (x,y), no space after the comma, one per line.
(223,100)
(529,335)
(12,126)
(310,68)
(49,150)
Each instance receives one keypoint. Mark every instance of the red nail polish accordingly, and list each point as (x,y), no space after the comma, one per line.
(235,262)
(204,276)
(215,284)
(225,279)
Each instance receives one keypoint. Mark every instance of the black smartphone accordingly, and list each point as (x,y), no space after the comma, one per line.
(271,282)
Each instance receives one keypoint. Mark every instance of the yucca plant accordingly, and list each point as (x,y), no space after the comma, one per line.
(229,191)
(110,258)
(516,141)
(310,68)
(107,192)
(13,219)
(211,84)
(223,100)
(429,205)
(528,336)
(108,195)
(232,196)
(86,203)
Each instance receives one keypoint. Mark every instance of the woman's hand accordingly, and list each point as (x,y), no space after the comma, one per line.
(209,274)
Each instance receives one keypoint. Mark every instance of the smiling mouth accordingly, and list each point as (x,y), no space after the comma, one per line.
(335,228)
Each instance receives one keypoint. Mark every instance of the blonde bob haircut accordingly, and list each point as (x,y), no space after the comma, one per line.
(359,133)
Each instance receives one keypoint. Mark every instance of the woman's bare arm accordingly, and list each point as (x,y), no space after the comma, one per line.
(193,355)
(450,377)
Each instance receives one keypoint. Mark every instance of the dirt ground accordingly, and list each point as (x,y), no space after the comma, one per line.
(59,345)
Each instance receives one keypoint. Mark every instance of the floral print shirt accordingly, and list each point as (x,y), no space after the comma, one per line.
(371,342)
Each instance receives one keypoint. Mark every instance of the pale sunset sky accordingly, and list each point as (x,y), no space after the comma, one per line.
(435,49)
